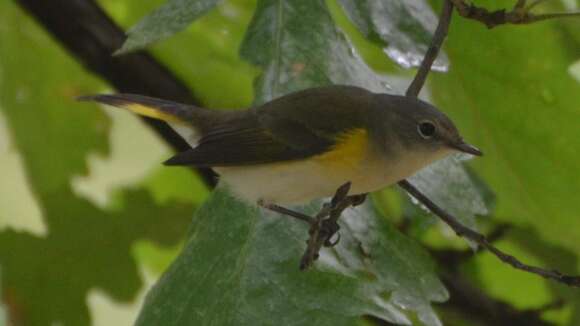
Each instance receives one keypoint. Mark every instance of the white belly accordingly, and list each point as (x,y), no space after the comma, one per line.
(300,182)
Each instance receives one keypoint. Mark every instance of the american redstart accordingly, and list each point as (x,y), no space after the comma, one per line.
(304,145)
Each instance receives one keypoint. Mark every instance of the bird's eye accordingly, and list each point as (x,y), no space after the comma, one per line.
(426,129)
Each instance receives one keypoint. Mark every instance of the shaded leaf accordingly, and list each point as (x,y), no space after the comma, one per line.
(404,27)
(85,247)
(170,18)
(68,263)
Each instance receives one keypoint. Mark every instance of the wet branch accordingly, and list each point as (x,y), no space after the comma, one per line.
(449,219)
(431,54)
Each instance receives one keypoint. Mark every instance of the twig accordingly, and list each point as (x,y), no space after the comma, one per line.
(481,240)
(433,51)
(520,14)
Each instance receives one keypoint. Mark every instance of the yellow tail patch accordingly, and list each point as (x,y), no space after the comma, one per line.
(150,112)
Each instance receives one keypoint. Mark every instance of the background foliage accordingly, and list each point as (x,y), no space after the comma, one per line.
(89,219)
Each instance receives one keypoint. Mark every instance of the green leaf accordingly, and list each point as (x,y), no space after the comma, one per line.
(522,111)
(170,18)
(205,55)
(240,267)
(298,46)
(405,28)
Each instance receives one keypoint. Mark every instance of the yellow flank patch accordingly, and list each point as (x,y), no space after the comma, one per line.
(150,112)
(350,149)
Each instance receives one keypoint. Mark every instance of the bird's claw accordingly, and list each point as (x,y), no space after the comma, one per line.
(328,229)
(329,244)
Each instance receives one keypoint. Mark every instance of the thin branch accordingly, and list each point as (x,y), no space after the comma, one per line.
(459,228)
(90,36)
(482,241)
(433,51)
(452,258)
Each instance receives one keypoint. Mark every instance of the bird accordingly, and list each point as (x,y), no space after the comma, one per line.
(304,145)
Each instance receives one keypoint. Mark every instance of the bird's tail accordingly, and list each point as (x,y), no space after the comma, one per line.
(187,120)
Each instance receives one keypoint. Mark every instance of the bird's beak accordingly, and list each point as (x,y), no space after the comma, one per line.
(466,148)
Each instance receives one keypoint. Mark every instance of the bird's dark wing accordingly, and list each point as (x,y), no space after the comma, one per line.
(293,127)
(250,143)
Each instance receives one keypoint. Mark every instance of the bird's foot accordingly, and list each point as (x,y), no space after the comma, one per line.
(324,226)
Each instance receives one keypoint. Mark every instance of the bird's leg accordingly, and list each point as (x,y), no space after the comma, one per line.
(286,211)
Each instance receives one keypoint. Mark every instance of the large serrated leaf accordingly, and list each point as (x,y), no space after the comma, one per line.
(404,27)
(170,18)
(249,259)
